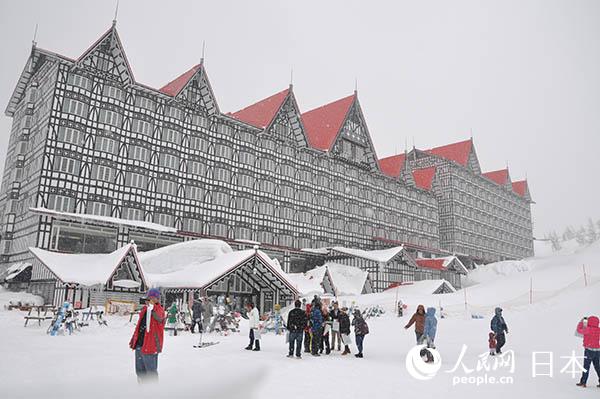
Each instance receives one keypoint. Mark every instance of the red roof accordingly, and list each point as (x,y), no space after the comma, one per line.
(261,114)
(437,264)
(324,123)
(458,152)
(424,177)
(500,177)
(174,87)
(392,166)
(520,187)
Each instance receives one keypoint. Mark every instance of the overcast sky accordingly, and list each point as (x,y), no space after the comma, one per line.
(522,76)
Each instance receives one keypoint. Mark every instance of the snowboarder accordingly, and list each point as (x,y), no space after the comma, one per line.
(173,319)
(430,327)
(360,330)
(307,334)
(588,327)
(492,343)
(197,310)
(418,319)
(327,323)
(400,308)
(254,333)
(499,327)
(335,326)
(296,323)
(345,330)
(207,314)
(316,327)
(147,339)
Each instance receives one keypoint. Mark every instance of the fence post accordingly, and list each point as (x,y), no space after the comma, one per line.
(584,275)
(465,292)
(530,290)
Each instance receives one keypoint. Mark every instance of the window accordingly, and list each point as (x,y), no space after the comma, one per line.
(66,165)
(167,187)
(164,219)
(74,107)
(103,173)
(134,214)
(245,181)
(172,136)
(223,151)
(79,81)
(169,161)
(222,175)
(174,112)
(138,153)
(195,193)
(193,225)
(142,127)
(113,92)
(144,102)
(198,120)
(110,117)
(221,198)
(69,135)
(105,144)
(246,204)
(61,203)
(196,168)
(98,209)
(197,143)
(137,180)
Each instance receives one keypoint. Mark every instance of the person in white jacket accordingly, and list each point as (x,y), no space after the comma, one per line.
(253,319)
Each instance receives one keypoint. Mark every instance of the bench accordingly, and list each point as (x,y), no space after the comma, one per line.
(38,315)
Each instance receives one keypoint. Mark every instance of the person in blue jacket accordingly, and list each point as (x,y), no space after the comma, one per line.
(316,327)
(499,327)
(430,327)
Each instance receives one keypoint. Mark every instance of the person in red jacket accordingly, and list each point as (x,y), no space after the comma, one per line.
(147,339)
(492,343)
(588,327)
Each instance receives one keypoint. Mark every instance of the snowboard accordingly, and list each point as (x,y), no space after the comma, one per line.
(205,344)
(59,319)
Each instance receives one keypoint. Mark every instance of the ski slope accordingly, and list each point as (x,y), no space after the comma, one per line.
(97,362)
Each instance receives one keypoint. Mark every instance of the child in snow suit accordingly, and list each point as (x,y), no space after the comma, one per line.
(589,328)
(345,330)
(173,319)
(430,327)
(499,327)
(492,344)
(418,319)
(361,329)
(147,339)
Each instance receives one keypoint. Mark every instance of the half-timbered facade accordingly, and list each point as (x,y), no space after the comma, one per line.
(88,139)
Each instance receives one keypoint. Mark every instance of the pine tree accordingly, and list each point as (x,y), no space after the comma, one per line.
(581,236)
(555,241)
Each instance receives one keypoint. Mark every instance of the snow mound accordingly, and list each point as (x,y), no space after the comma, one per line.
(176,257)
(492,271)
(14,298)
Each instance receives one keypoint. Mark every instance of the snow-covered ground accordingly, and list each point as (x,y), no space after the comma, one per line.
(98,363)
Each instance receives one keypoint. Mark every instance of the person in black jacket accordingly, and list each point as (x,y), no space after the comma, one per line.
(345,330)
(197,310)
(296,323)
(335,326)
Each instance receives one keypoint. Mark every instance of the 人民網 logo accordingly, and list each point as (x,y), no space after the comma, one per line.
(423,363)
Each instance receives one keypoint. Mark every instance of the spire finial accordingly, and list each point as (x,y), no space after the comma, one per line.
(34,41)
(291,76)
(355,85)
(203,50)
(471,134)
(116,14)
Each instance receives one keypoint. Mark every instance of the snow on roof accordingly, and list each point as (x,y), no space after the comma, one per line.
(84,269)
(309,283)
(320,251)
(423,287)
(379,255)
(107,219)
(15,269)
(175,257)
(347,280)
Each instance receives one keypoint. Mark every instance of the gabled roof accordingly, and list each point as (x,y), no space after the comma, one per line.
(457,152)
(176,85)
(323,124)
(424,177)
(84,269)
(262,113)
(436,264)
(500,177)
(392,166)
(347,280)
(521,188)
(377,255)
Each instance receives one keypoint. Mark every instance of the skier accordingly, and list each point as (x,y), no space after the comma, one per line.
(147,339)
(327,323)
(360,330)
(588,327)
(335,326)
(492,343)
(345,330)
(197,310)
(307,334)
(207,314)
(296,323)
(499,327)
(418,319)
(254,334)
(173,319)
(316,327)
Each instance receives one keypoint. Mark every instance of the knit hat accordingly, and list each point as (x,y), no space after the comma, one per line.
(153,293)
